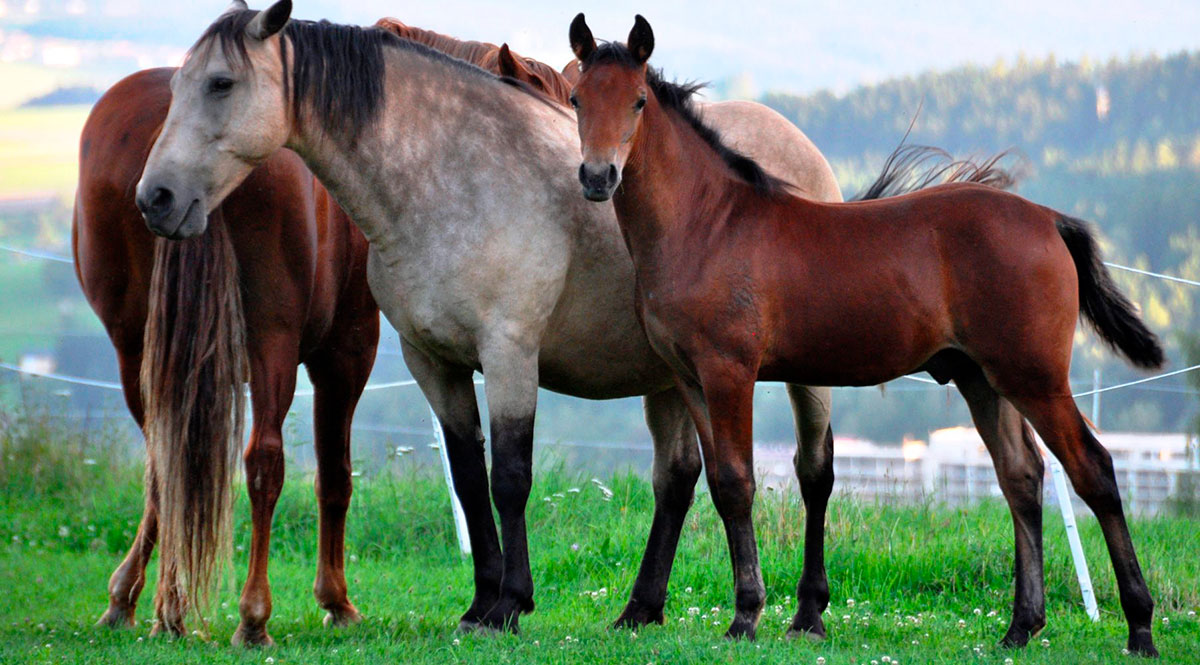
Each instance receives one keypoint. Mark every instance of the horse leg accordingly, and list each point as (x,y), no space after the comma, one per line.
(272,385)
(511,387)
(338,375)
(1090,468)
(676,470)
(726,439)
(128,580)
(814,471)
(451,393)
(1019,470)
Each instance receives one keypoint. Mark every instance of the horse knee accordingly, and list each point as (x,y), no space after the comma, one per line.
(675,478)
(733,489)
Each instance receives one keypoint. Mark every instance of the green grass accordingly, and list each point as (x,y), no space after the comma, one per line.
(928,583)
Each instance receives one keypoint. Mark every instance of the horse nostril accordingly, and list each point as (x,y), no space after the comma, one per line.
(612,175)
(158,203)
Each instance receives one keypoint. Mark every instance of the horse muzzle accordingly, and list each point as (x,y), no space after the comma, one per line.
(169,215)
(599,181)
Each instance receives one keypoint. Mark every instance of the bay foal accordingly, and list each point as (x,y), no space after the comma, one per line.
(738,280)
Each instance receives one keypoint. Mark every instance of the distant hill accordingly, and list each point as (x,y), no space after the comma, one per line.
(65,96)
(1127,116)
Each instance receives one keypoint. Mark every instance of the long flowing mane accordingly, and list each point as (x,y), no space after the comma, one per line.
(338,70)
(677,97)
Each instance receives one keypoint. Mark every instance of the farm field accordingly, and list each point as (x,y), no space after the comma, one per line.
(916,584)
(39,150)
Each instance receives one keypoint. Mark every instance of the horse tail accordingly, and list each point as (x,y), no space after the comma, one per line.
(193,371)
(913,167)
(1109,312)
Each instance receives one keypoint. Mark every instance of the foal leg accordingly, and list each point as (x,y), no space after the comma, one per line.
(1090,468)
(726,440)
(676,470)
(1019,470)
(338,375)
(814,471)
(451,392)
(128,580)
(511,386)
(272,385)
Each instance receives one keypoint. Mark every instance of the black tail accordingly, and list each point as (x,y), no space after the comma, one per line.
(913,167)
(1108,310)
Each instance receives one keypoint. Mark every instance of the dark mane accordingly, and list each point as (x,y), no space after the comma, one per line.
(338,70)
(678,98)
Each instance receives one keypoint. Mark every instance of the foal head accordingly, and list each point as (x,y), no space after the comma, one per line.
(228,113)
(608,99)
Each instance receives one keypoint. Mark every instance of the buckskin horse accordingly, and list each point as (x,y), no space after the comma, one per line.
(482,256)
(740,281)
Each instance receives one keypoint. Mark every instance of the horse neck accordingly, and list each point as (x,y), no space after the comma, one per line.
(672,185)
(431,114)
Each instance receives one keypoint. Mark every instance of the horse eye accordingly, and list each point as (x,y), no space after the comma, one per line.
(639,104)
(574,101)
(220,84)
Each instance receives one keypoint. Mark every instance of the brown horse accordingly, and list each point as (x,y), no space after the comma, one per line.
(283,246)
(497,59)
(739,281)
(279,280)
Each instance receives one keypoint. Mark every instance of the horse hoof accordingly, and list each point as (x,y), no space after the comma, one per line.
(635,615)
(116,618)
(342,617)
(504,616)
(164,628)
(740,630)
(249,638)
(1141,643)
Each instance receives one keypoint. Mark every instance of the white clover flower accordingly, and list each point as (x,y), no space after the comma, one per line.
(977,611)
(962,623)
(820,660)
(849,602)
(456,642)
(269,659)
(1008,661)
(1046,643)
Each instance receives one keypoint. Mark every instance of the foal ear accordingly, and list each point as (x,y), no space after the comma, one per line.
(582,41)
(641,40)
(270,20)
(506,63)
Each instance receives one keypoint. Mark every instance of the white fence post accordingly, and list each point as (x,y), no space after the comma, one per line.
(1068,515)
(460,518)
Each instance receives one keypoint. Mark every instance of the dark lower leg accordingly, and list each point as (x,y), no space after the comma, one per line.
(676,470)
(814,470)
(512,470)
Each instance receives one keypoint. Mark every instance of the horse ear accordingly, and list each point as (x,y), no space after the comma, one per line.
(582,41)
(237,6)
(270,20)
(506,63)
(641,40)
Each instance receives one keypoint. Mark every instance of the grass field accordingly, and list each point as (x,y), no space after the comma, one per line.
(39,150)
(923,584)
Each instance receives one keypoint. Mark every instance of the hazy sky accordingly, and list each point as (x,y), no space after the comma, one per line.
(797,46)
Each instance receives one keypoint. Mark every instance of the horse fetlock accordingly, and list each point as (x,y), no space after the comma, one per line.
(1141,642)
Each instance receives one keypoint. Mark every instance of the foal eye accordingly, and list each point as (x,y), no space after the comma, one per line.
(574,101)
(220,85)
(639,104)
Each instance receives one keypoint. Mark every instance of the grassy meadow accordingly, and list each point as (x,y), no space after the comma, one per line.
(39,150)
(910,584)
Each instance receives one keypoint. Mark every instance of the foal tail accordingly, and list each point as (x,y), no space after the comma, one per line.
(1108,310)
(913,167)
(193,370)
